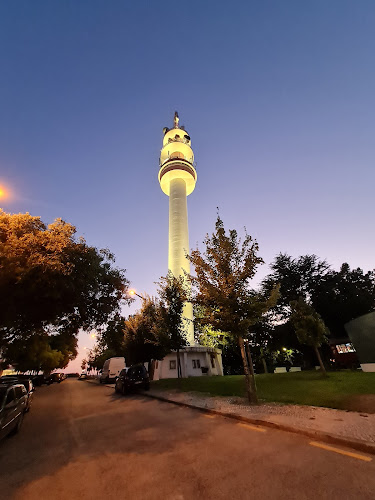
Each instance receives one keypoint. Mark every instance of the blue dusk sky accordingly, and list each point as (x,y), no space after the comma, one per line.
(278,98)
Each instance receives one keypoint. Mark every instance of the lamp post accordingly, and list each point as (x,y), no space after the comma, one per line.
(132,292)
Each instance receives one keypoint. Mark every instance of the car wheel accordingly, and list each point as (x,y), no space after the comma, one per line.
(147,386)
(123,390)
(116,389)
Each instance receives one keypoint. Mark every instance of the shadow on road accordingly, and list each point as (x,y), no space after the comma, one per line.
(76,423)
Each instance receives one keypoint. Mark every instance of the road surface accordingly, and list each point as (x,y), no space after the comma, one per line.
(81,441)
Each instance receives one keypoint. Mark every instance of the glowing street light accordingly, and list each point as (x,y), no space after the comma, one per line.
(3,193)
(132,292)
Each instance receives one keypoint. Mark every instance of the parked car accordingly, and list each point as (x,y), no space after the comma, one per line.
(38,380)
(83,376)
(131,378)
(56,377)
(24,380)
(111,369)
(13,401)
(29,386)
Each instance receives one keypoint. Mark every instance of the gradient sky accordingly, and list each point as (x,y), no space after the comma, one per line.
(278,98)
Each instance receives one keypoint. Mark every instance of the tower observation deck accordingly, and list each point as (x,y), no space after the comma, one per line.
(177,178)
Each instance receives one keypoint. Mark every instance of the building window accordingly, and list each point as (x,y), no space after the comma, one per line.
(212,361)
(196,363)
(344,348)
(172,364)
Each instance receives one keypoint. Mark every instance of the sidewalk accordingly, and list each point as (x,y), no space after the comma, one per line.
(348,428)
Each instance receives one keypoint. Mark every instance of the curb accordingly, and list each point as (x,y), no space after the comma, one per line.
(355,444)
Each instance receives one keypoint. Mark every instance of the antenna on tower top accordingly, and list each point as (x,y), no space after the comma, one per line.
(176,119)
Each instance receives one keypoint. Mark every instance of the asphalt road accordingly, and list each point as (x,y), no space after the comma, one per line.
(81,441)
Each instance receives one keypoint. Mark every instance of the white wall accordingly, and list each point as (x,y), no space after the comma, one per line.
(163,370)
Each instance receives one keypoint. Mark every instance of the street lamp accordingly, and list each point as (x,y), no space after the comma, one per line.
(3,193)
(132,292)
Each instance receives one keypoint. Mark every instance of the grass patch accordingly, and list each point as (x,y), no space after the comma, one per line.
(304,388)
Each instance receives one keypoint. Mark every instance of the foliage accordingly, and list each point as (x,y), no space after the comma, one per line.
(309,326)
(284,357)
(144,340)
(222,287)
(111,336)
(52,284)
(222,282)
(213,338)
(338,296)
(173,294)
(41,352)
(98,355)
(297,278)
(343,296)
(206,335)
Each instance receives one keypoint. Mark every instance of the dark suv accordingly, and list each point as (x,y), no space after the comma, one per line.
(13,400)
(131,378)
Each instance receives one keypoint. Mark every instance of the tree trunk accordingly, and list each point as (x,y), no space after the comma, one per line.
(179,374)
(250,382)
(324,372)
(251,366)
(263,361)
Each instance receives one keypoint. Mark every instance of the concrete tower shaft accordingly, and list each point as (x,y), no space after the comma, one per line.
(177,178)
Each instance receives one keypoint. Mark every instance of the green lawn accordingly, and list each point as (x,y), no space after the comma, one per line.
(305,388)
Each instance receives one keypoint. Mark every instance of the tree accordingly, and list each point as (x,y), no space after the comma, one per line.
(344,295)
(144,341)
(51,282)
(338,296)
(222,288)
(309,327)
(297,278)
(111,336)
(41,352)
(173,294)
(98,355)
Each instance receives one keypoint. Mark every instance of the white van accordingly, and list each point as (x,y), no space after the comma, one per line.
(111,369)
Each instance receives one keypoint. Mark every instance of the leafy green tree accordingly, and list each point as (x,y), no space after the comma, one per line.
(67,345)
(144,341)
(111,336)
(344,295)
(51,282)
(338,296)
(297,278)
(173,294)
(309,327)
(35,354)
(222,288)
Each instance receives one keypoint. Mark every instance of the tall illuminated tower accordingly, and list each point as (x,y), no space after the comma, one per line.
(177,178)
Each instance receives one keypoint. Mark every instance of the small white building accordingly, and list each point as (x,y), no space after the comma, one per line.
(196,361)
